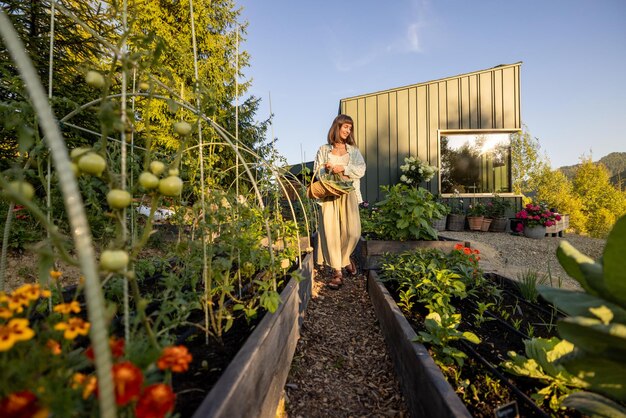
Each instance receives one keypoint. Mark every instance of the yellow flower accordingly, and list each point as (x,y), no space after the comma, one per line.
(16,330)
(17,302)
(55,274)
(73,328)
(31,292)
(285,263)
(54,347)
(68,308)
(87,383)
(5,312)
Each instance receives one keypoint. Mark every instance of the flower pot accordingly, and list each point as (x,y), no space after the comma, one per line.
(535,232)
(498,225)
(439,224)
(456,222)
(486,224)
(475,222)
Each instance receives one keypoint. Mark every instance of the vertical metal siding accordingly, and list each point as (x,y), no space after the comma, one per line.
(397,123)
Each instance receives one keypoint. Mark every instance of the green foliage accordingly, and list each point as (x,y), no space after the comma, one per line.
(601,203)
(441,331)
(597,322)
(527,284)
(497,206)
(406,213)
(542,362)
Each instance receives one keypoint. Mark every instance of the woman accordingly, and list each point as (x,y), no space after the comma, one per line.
(340,224)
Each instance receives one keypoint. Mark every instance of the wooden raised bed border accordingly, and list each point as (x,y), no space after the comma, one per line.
(252,385)
(426,390)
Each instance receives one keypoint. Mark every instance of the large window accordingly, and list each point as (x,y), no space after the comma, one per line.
(475,161)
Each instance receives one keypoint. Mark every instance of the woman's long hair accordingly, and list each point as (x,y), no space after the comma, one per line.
(333,132)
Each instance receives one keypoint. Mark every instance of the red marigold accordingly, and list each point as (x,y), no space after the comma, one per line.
(175,358)
(22,404)
(467,251)
(127,379)
(155,401)
(458,246)
(115,344)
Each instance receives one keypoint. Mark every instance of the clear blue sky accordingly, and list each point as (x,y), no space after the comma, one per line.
(310,54)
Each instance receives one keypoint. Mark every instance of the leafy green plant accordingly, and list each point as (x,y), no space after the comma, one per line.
(406,213)
(596,324)
(481,309)
(441,330)
(542,362)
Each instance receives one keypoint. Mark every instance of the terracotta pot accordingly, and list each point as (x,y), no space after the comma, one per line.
(475,222)
(535,232)
(486,224)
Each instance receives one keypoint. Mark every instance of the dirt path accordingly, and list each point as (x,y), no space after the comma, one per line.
(341,367)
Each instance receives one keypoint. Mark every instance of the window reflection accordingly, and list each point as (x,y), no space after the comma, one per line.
(475,162)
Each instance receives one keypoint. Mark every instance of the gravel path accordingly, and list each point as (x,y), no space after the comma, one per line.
(513,255)
(341,367)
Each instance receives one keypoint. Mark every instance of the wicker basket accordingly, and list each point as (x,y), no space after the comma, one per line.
(439,224)
(498,225)
(456,222)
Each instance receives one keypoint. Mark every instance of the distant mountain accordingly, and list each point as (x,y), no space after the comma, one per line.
(615,162)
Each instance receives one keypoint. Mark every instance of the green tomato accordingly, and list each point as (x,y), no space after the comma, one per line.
(182,128)
(144,85)
(92,163)
(22,188)
(118,199)
(157,167)
(77,152)
(173,172)
(113,260)
(171,186)
(148,180)
(95,79)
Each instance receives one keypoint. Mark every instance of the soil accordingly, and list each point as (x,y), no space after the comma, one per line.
(341,367)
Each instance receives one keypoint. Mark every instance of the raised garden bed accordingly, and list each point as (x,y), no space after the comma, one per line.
(253,382)
(501,327)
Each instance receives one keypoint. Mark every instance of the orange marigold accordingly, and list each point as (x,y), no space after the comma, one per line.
(16,330)
(458,246)
(87,383)
(54,347)
(175,358)
(55,274)
(68,308)
(128,380)
(73,328)
(155,401)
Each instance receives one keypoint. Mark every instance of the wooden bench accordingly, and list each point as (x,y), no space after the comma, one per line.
(559,228)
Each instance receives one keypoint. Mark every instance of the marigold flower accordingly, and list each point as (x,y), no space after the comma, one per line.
(467,251)
(55,274)
(68,308)
(458,246)
(128,380)
(175,358)
(30,291)
(155,401)
(22,404)
(54,347)
(115,344)
(476,252)
(17,302)
(5,312)
(16,330)
(73,328)
(285,263)
(87,383)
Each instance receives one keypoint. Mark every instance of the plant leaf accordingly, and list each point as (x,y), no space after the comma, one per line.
(571,259)
(579,304)
(602,374)
(594,405)
(593,336)
(615,262)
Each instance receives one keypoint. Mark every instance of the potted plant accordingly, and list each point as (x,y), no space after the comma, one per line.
(496,209)
(535,218)
(456,217)
(476,215)
(439,223)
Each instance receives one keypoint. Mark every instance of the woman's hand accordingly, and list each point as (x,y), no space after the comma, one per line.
(338,168)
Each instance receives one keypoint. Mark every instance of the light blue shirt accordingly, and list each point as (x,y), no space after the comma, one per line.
(354,170)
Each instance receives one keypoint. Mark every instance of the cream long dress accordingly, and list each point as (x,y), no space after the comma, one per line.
(339,226)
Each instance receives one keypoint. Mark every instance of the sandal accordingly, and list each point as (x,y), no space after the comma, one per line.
(351,268)
(337,281)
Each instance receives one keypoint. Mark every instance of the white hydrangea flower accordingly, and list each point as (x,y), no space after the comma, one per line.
(403,178)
